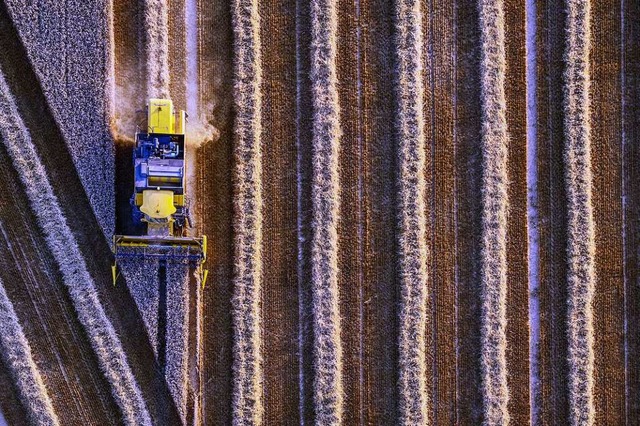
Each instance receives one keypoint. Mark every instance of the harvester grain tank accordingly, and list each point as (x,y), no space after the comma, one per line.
(159,197)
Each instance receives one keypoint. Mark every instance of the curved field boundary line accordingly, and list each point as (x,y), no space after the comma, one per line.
(65,251)
(328,392)
(411,205)
(16,353)
(156,19)
(495,204)
(581,274)
(247,402)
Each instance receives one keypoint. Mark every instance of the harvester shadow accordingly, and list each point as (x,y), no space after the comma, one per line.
(50,145)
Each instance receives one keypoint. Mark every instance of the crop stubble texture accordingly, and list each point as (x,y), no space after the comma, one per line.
(177,332)
(412,247)
(16,353)
(580,225)
(495,140)
(142,278)
(327,353)
(247,324)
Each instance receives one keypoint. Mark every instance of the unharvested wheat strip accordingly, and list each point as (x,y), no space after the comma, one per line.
(177,345)
(16,353)
(494,220)
(412,247)
(65,251)
(247,362)
(580,233)
(328,392)
(156,19)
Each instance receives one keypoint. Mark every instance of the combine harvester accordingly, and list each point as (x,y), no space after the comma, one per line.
(159,198)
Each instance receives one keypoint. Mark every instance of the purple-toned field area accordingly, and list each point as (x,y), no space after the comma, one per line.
(418,212)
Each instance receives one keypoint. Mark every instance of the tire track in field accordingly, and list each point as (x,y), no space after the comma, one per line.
(247,361)
(304,170)
(17,356)
(411,205)
(580,233)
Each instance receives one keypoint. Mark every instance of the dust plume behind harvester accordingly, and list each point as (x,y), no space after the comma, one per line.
(159,198)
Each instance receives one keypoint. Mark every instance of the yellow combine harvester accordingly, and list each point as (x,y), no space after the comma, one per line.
(158,198)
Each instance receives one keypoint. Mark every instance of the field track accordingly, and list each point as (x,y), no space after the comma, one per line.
(381,250)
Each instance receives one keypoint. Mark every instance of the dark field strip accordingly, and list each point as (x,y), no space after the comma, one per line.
(379,353)
(350,254)
(280,214)
(440,175)
(553,397)
(517,245)
(630,88)
(468,212)
(214,186)
(607,164)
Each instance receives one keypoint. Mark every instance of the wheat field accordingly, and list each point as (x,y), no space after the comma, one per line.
(418,213)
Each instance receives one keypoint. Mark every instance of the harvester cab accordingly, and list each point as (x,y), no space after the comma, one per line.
(159,198)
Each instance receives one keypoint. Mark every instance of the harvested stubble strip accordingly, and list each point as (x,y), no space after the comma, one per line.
(142,278)
(16,353)
(247,358)
(64,248)
(328,391)
(581,233)
(177,347)
(494,216)
(156,18)
(412,246)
